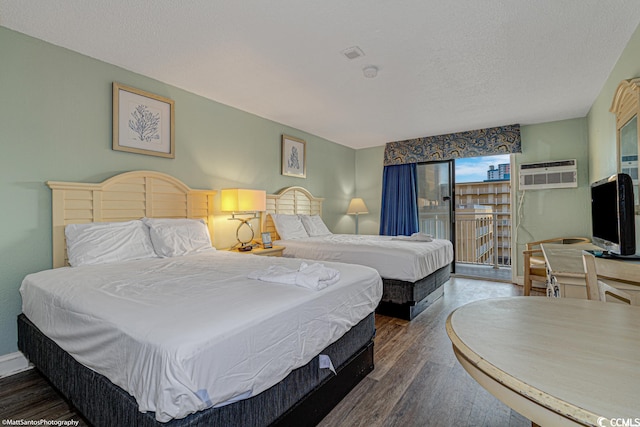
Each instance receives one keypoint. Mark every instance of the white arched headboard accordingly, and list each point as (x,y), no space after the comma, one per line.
(124,197)
(291,201)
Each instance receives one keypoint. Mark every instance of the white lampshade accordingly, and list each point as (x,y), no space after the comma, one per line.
(357,206)
(242,200)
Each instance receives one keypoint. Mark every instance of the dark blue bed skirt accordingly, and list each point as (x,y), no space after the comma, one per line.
(304,397)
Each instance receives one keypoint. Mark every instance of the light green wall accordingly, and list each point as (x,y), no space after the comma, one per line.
(55,124)
(369,186)
(543,214)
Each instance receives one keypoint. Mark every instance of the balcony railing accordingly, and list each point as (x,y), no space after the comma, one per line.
(482,238)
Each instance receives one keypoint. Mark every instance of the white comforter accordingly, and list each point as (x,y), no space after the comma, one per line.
(187,333)
(393,258)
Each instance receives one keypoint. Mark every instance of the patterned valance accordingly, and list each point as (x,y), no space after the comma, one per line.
(474,143)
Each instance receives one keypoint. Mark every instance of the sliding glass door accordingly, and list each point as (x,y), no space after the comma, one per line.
(436,183)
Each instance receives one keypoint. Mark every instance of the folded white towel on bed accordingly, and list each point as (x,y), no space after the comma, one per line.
(315,276)
(415,237)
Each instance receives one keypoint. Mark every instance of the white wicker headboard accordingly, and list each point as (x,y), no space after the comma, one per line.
(292,201)
(130,195)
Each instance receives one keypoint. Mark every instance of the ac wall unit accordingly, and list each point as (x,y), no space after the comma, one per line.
(543,175)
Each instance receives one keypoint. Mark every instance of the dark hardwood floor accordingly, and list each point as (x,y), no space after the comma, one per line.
(28,396)
(417,380)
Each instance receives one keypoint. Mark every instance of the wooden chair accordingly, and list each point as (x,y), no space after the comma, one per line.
(597,289)
(534,264)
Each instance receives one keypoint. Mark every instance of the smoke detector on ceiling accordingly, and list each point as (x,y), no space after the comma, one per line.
(370,71)
(353,52)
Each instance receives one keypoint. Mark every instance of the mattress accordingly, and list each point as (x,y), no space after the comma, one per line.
(392,257)
(187,333)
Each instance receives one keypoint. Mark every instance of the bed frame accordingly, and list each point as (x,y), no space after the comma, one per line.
(124,197)
(303,398)
(399,298)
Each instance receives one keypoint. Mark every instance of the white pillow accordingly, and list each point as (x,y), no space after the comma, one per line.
(314,225)
(177,237)
(105,242)
(289,226)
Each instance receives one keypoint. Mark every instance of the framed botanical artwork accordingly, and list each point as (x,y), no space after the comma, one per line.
(143,123)
(294,157)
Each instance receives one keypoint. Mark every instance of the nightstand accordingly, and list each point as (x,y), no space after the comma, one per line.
(274,251)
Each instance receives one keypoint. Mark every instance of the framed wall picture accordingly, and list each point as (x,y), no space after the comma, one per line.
(143,123)
(266,240)
(294,157)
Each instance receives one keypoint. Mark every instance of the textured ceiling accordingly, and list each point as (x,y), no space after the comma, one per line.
(444,65)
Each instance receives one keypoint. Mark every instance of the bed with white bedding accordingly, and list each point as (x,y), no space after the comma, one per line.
(393,257)
(413,269)
(152,325)
(188,338)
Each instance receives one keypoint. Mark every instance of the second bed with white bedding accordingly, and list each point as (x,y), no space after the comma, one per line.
(413,270)
(393,257)
(183,334)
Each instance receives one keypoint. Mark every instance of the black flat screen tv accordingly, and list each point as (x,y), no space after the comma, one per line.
(612,215)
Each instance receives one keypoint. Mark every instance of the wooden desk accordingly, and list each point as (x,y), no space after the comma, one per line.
(565,270)
(581,364)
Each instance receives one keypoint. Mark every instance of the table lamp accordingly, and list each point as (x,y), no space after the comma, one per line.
(356,207)
(241,202)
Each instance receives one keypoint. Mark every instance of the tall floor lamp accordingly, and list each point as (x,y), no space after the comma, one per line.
(357,207)
(241,202)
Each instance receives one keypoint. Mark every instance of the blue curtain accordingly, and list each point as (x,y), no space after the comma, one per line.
(399,212)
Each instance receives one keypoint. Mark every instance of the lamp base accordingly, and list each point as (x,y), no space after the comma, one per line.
(245,245)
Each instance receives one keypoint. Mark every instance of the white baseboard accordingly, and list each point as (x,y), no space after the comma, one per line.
(13,363)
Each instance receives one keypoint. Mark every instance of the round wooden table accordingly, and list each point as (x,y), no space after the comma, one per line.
(557,361)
